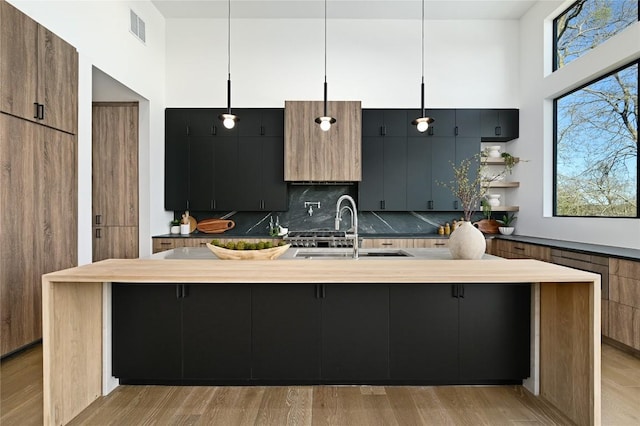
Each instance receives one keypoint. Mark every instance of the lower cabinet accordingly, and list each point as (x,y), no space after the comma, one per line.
(321,333)
(172,333)
(454,333)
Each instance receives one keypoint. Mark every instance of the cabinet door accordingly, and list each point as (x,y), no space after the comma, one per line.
(510,123)
(423,332)
(443,125)
(226,169)
(286,332)
(272,122)
(495,332)
(394,122)
(114,142)
(19,63)
(372,122)
(468,123)
(467,148)
(419,179)
(202,126)
(274,188)
(248,180)
(395,173)
(115,242)
(499,125)
(176,159)
(355,332)
(442,152)
(371,188)
(216,331)
(57,81)
(146,341)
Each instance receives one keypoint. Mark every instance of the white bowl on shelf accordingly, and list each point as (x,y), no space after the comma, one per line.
(506,230)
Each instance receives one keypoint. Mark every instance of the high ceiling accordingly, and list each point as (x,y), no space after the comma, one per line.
(345,9)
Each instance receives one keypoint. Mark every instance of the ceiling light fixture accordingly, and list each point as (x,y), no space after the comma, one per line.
(229,120)
(325,121)
(422,122)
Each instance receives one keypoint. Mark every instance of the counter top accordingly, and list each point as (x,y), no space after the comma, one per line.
(387,270)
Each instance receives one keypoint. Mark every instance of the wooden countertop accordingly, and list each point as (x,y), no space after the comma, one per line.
(321,271)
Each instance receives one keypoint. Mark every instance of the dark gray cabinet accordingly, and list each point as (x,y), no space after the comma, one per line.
(209,167)
(499,125)
(320,333)
(173,333)
(355,332)
(406,171)
(454,333)
(384,161)
(259,179)
(286,332)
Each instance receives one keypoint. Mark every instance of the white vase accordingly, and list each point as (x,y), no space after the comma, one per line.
(185,229)
(175,229)
(494,151)
(493,199)
(467,242)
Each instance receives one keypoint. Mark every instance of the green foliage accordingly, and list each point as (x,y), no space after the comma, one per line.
(508,219)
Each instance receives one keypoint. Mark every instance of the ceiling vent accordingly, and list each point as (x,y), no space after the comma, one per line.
(137,26)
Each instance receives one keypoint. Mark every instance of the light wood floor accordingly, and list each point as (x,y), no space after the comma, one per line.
(21,402)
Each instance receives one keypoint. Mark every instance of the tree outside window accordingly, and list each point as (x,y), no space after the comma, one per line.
(587,24)
(596,147)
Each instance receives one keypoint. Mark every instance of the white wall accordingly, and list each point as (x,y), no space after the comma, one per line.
(467,63)
(538,87)
(100,32)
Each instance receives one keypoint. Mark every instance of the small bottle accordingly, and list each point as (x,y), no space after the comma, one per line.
(454,225)
(441,230)
(447,229)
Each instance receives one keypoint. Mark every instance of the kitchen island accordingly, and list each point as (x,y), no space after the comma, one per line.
(565,354)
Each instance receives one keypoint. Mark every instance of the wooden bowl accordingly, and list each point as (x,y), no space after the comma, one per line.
(264,254)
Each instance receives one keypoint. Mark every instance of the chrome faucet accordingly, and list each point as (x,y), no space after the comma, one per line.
(354,220)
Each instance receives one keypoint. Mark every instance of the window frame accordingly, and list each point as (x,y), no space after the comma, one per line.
(635,62)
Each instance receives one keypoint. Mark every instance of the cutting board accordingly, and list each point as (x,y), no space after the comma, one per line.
(215,226)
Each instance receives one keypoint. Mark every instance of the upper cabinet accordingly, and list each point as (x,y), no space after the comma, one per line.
(38,72)
(209,167)
(499,125)
(311,155)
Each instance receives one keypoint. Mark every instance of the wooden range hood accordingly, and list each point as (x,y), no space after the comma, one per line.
(314,156)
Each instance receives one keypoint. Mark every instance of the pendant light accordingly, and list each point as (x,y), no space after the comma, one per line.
(422,122)
(325,121)
(229,120)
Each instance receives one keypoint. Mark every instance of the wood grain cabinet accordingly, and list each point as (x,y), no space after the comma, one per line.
(312,155)
(38,224)
(517,250)
(38,72)
(405,243)
(624,301)
(115,180)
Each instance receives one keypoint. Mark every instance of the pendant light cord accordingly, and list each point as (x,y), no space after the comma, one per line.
(325,41)
(229,39)
(423,41)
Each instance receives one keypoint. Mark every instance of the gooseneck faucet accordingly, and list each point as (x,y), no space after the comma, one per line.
(354,220)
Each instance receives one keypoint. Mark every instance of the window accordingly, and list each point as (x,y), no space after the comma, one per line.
(587,24)
(596,147)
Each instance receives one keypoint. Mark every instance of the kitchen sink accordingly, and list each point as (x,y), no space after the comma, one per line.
(347,254)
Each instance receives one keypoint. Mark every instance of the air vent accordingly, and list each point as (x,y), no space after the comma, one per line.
(137,26)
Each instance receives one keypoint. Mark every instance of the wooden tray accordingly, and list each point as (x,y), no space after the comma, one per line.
(264,254)
(215,226)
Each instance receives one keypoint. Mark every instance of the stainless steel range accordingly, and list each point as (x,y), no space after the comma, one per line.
(318,239)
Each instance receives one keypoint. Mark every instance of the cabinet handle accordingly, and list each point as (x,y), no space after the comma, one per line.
(387,244)
(498,130)
(188,130)
(98,233)
(41,111)
(187,204)
(214,130)
(461,291)
(35,110)
(439,244)
(455,205)
(165,243)
(213,206)
(455,130)
(430,131)
(454,290)
(178,291)
(383,130)
(262,131)
(518,248)
(323,291)
(317,291)
(98,219)
(185,290)
(430,204)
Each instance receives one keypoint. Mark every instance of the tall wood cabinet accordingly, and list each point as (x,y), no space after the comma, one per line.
(38,163)
(115,180)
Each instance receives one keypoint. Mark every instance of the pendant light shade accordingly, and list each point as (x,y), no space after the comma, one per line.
(229,120)
(422,123)
(325,121)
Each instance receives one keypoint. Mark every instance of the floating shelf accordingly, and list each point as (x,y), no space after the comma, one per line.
(505,209)
(497,161)
(499,184)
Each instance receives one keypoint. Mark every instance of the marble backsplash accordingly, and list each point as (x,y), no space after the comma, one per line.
(300,218)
